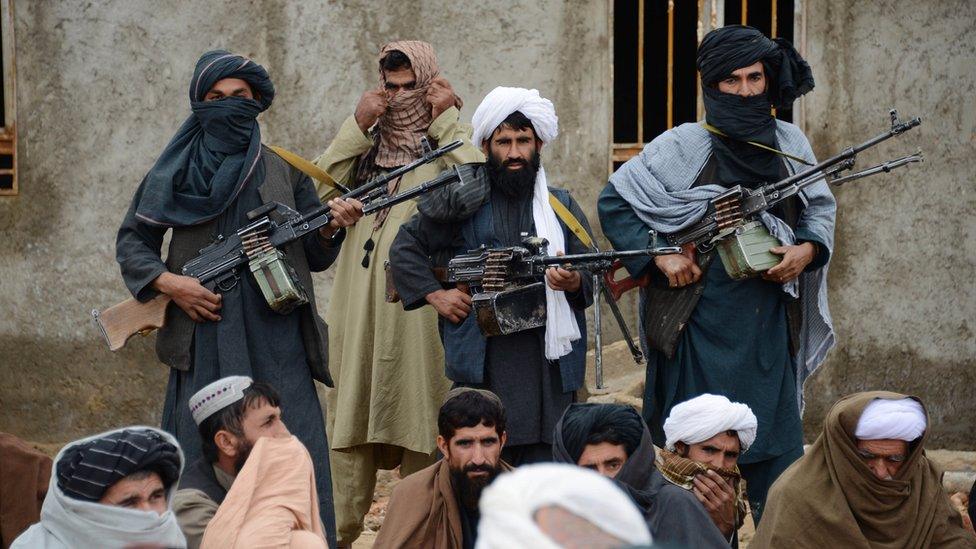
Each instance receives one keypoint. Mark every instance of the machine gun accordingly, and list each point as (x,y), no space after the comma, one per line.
(507,296)
(259,245)
(732,224)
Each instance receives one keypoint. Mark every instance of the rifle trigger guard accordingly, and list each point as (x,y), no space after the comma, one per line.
(227,283)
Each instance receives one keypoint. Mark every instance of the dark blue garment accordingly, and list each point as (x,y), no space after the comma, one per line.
(253,340)
(735,344)
(214,153)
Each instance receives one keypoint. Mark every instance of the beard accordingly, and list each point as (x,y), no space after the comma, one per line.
(469,489)
(513,183)
(243,452)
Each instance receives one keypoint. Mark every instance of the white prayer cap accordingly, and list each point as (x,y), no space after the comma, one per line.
(705,416)
(501,102)
(883,418)
(217,396)
(509,504)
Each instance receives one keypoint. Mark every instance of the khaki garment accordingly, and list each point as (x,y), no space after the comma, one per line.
(273,502)
(829,497)
(388,364)
(194,509)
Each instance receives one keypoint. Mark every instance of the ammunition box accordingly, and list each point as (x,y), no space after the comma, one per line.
(744,250)
(278,281)
(511,311)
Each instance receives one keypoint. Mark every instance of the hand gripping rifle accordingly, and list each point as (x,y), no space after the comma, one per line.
(732,221)
(259,245)
(507,296)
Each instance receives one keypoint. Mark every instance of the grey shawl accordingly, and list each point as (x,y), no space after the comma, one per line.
(657,184)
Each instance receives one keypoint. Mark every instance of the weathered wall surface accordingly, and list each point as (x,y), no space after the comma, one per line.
(902,295)
(102,88)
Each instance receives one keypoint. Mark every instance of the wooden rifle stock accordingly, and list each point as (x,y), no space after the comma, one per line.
(120,322)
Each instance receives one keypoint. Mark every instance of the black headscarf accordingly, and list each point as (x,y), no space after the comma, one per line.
(788,76)
(580,420)
(214,153)
(86,470)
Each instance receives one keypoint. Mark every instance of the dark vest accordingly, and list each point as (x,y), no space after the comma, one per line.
(464,345)
(174,339)
(201,476)
(667,310)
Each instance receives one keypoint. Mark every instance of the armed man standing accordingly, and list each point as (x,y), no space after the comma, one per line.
(756,340)
(534,371)
(213,172)
(386,362)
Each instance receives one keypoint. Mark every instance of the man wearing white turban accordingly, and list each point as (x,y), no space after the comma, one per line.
(705,437)
(535,371)
(865,482)
(553,505)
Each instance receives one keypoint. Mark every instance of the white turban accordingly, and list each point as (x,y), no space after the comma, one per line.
(902,419)
(561,327)
(509,504)
(705,416)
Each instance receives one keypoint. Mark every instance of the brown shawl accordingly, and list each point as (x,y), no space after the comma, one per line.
(423,512)
(24,477)
(829,498)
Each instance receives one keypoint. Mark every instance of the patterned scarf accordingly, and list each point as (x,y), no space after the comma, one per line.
(681,471)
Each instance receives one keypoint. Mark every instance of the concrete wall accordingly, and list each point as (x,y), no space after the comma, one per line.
(102,88)
(902,294)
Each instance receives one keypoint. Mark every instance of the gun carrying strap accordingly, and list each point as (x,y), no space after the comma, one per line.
(716,131)
(308,168)
(570,220)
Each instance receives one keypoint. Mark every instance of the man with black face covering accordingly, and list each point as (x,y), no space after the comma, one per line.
(754,341)
(211,174)
(535,372)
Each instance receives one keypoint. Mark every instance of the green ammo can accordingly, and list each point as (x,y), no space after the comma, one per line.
(744,250)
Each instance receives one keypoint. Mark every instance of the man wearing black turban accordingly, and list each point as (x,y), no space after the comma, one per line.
(208,177)
(613,440)
(754,341)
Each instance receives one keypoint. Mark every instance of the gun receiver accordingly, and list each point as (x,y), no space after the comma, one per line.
(273,226)
(739,205)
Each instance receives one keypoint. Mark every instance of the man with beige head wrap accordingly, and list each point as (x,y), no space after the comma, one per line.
(386,362)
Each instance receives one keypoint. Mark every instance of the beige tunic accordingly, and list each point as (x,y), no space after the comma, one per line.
(388,364)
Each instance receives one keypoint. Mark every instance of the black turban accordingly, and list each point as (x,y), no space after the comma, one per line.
(216,151)
(729,48)
(581,420)
(87,469)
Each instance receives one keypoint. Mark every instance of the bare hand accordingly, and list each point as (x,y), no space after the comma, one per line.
(197,302)
(681,269)
(440,95)
(795,259)
(563,280)
(718,497)
(452,304)
(371,106)
(345,213)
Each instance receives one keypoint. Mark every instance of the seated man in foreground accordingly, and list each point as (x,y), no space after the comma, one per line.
(437,507)
(705,437)
(232,414)
(613,440)
(111,490)
(865,482)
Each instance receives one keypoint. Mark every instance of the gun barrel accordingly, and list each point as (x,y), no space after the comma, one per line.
(606,256)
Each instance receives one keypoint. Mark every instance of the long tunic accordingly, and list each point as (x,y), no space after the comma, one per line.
(387,363)
(735,343)
(250,339)
(531,387)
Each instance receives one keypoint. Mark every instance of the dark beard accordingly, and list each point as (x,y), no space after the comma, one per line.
(469,489)
(243,451)
(513,184)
